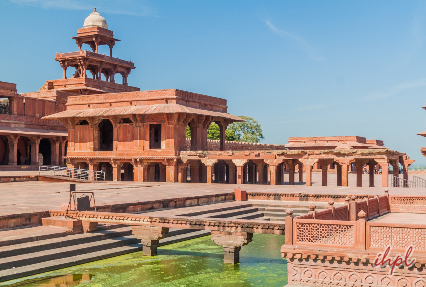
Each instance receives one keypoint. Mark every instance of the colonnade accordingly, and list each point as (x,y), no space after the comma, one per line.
(25,150)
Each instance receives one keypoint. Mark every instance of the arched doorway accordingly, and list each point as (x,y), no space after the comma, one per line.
(106,167)
(127,174)
(249,173)
(4,151)
(221,172)
(45,150)
(106,137)
(23,154)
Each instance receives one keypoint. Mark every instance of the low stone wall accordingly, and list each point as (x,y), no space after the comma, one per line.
(18,178)
(26,219)
(214,145)
(299,196)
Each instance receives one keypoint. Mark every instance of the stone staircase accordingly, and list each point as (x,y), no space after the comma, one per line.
(28,257)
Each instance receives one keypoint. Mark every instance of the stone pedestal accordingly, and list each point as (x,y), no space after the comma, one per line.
(150,237)
(231,243)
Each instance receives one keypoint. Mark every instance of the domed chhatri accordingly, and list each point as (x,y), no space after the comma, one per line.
(95,19)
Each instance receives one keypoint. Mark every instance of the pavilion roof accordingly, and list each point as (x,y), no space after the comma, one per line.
(31,132)
(141,110)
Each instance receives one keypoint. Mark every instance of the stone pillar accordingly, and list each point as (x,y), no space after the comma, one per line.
(35,142)
(195,172)
(308,170)
(324,174)
(13,149)
(339,174)
(300,173)
(371,173)
(150,237)
(291,172)
(181,172)
(62,159)
(273,170)
(92,166)
(240,165)
(359,175)
(345,169)
(116,171)
(171,171)
(222,128)
(231,243)
(55,151)
(115,126)
(385,173)
(260,167)
(232,171)
(209,163)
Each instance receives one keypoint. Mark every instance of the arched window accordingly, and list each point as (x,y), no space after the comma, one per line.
(106,136)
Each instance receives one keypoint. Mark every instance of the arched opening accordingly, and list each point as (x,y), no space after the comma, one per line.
(23,154)
(249,173)
(106,167)
(191,135)
(155,136)
(45,152)
(126,121)
(4,106)
(106,136)
(265,174)
(156,172)
(281,169)
(221,172)
(4,150)
(127,172)
(118,78)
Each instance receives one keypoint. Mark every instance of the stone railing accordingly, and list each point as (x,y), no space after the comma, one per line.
(407,203)
(86,53)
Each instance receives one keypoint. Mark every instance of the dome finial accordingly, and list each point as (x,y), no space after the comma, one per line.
(94,10)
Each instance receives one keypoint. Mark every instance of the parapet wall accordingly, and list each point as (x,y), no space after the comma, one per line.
(214,145)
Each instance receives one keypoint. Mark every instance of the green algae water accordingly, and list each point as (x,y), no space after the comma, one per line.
(196,262)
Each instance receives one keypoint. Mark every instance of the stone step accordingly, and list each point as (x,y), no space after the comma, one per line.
(30,263)
(253,215)
(280,214)
(63,252)
(32,269)
(70,240)
(232,213)
(217,210)
(296,204)
(283,210)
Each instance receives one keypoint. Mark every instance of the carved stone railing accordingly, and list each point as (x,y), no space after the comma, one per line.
(407,203)
(398,236)
(324,233)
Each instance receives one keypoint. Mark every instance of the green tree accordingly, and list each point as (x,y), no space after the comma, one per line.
(248,131)
(213,133)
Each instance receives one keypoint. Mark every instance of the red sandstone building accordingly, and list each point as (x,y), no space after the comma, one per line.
(141,135)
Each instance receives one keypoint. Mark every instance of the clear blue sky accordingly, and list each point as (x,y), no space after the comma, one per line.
(301,68)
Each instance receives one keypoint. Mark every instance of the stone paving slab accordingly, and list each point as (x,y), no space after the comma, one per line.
(402,218)
(25,197)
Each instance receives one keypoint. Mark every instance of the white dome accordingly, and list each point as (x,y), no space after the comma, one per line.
(95,20)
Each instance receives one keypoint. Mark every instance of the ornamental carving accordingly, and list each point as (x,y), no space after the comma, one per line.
(329,234)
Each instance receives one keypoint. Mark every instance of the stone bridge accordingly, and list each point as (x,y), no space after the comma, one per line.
(231,234)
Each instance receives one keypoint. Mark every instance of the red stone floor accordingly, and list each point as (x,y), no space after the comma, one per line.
(402,218)
(22,197)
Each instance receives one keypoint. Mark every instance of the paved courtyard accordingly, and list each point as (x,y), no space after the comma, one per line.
(34,196)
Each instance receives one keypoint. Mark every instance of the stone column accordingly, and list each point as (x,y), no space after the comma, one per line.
(300,173)
(115,126)
(35,142)
(385,172)
(291,172)
(150,237)
(232,171)
(307,164)
(371,173)
(359,174)
(324,173)
(209,163)
(345,169)
(55,151)
(13,149)
(181,172)
(273,171)
(222,128)
(405,162)
(171,171)
(116,171)
(62,159)
(195,172)
(231,243)
(339,174)
(260,167)
(240,165)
